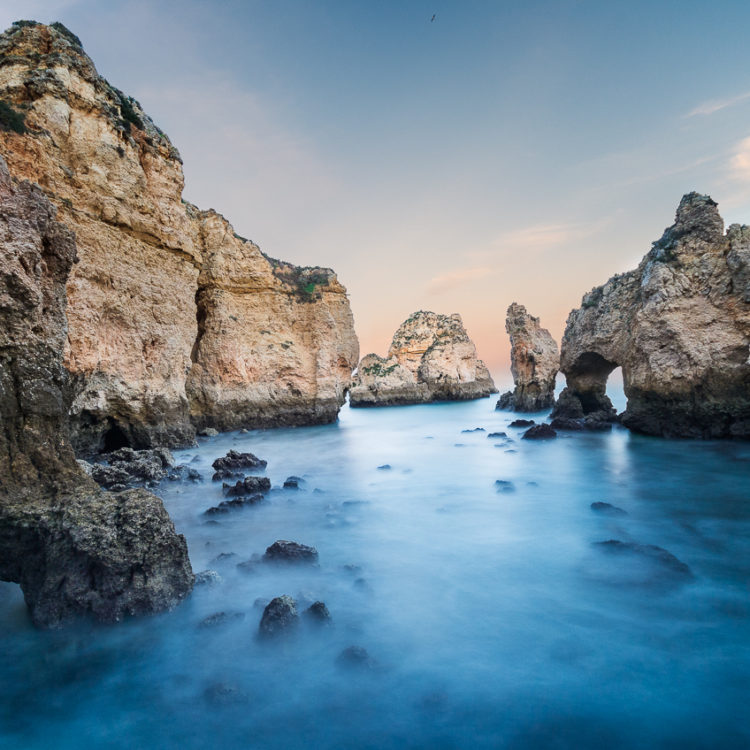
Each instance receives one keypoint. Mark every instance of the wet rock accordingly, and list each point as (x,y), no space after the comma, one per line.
(498,435)
(567,424)
(207,578)
(234,460)
(596,423)
(248,486)
(608,509)
(539,432)
(293,483)
(223,557)
(505,402)
(384,467)
(182,472)
(280,616)
(650,552)
(208,432)
(522,423)
(476,429)
(220,618)
(284,551)
(355,657)
(504,485)
(222,694)
(226,506)
(318,613)
(126,466)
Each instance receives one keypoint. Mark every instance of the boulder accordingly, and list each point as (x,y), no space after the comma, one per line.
(234,460)
(318,613)
(539,432)
(279,617)
(248,486)
(284,551)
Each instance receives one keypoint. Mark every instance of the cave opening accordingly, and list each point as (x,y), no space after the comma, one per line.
(115,437)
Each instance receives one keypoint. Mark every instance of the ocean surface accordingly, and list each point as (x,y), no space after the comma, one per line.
(491,616)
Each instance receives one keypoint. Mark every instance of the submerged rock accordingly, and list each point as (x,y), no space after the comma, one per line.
(293,483)
(318,613)
(208,578)
(229,505)
(222,694)
(384,467)
(220,618)
(678,325)
(522,423)
(355,657)
(539,432)
(534,363)
(504,485)
(284,551)
(608,509)
(498,435)
(649,552)
(280,616)
(431,358)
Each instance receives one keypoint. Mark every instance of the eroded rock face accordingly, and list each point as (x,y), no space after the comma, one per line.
(72,547)
(174,321)
(534,361)
(678,325)
(431,358)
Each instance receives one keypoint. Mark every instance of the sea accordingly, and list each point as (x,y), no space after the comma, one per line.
(488,603)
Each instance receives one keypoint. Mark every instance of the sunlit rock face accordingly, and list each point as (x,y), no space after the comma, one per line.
(534,361)
(678,325)
(174,321)
(431,358)
(72,547)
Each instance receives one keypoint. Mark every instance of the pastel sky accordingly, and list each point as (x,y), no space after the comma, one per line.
(506,151)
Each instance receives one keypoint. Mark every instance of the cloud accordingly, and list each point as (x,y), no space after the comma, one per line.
(739,164)
(715,105)
(457,278)
(540,237)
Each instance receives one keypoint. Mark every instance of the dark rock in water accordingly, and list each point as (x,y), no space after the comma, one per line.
(361,584)
(207,578)
(221,694)
(318,613)
(505,402)
(225,474)
(355,656)
(235,460)
(611,510)
(522,423)
(666,560)
(476,429)
(284,551)
(596,424)
(293,483)
(498,435)
(350,568)
(181,472)
(249,566)
(223,557)
(385,467)
(126,466)
(539,432)
(248,486)
(227,506)
(504,485)
(220,618)
(566,423)
(280,616)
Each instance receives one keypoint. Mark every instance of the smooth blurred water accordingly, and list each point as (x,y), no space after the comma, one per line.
(492,617)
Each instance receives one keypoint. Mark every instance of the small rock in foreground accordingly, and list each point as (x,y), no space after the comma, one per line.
(279,616)
(539,432)
(284,551)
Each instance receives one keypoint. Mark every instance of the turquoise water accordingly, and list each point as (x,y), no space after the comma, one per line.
(492,618)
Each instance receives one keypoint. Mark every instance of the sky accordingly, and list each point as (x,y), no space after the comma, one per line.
(499,152)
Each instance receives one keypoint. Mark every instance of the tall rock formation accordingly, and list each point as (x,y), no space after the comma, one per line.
(534,362)
(431,358)
(72,547)
(174,321)
(678,325)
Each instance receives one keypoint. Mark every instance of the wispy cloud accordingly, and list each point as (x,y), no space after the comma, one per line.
(457,278)
(540,237)
(716,105)
(739,163)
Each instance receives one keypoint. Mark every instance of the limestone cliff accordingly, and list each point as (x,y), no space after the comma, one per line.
(174,321)
(431,358)
(534,361)
(72,547)
(678,325)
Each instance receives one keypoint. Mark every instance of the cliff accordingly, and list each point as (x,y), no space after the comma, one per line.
(72,547)
(534,361)
(431,358)
(174,321)
(678,325)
